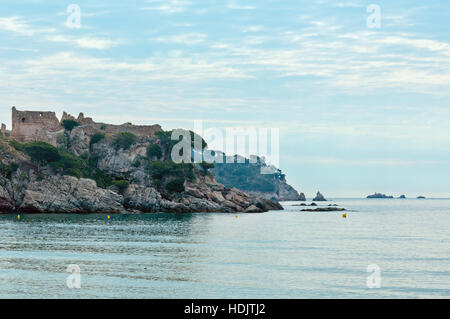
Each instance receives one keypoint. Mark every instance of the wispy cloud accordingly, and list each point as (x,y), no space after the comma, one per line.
(240,5)
(167,6)
(186,39)
(18,25)
(85,42)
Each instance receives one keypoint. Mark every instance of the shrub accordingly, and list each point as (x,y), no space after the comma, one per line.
(72,165)
(206,165)
(69,124)
(103,127)
(137,164)
(122,185)
(7,170)
(177,185)
(73,172)
(124,140)
(68,160)
(97,137)
(154,150)
(42,152)
(160,169)
(85,156)
(17,145)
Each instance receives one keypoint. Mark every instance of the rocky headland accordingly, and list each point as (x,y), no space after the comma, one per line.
(246,175)
(87,167)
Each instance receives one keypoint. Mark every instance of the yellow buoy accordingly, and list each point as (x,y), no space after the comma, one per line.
(236,216)
(344,215)
(18,217)
(109,217)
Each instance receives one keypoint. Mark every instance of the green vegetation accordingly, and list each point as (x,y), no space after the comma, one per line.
(69,125)
(154,150)
(122,185)
(7,170)
(103,127)
(246,176)
(124,140)
(158,170)
(72,165)
(17,145)
(137,164)
(41,152)
(97,137)
(166,142)
(206,165)
(177,185)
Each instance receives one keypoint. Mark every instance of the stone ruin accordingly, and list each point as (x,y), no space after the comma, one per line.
(28,126)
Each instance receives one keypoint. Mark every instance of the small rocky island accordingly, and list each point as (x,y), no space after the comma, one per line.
(76,165)
(319,198)
(379,195)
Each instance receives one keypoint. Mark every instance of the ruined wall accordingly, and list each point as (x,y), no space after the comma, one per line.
(30,126)
(26,124)
(3,130)
(110,129)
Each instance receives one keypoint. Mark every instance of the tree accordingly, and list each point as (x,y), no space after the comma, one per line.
(70,124)
(122,185)
(206,165)
(154,150)
(177,185)
(124,140)
(97,137)
(42,152)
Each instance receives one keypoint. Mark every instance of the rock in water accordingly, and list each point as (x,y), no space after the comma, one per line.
(319,198)
(379,195)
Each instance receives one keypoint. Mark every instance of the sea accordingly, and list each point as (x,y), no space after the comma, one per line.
(381,248)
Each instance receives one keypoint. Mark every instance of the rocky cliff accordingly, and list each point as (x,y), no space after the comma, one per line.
(89,170)
(248,176)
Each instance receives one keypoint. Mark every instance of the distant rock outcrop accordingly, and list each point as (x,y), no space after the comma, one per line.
(379,195)
(319,198)
(402,197)
(421,197)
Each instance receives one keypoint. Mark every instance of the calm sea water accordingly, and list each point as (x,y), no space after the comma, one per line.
(287,254)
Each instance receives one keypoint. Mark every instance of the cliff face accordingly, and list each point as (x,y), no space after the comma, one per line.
(94,171)
(247,176)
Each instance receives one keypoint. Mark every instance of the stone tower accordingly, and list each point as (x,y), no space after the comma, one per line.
(26,124)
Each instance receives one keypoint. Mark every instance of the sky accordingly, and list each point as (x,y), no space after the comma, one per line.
(361,107)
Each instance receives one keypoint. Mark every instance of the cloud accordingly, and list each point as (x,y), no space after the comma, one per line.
(167,6)
(18,25)
(85,42)
(186,39)
(253,28)
(233,4)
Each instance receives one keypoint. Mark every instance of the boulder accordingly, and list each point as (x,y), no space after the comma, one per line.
(253,209)
(144,199)
(67,194)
